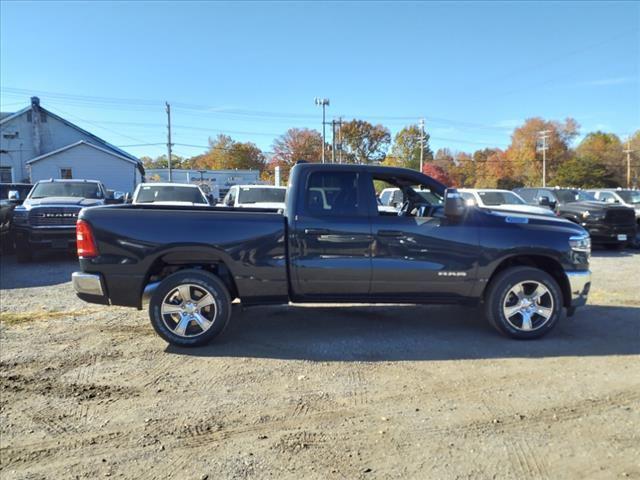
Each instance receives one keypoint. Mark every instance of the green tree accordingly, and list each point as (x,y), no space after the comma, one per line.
(634,146)
(605,149)
(584,172)
(363,142)
(161,162)
(405,151)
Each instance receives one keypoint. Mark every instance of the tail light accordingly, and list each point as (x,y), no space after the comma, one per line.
(86,244)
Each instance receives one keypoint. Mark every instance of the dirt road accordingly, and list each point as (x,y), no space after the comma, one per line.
(317,392)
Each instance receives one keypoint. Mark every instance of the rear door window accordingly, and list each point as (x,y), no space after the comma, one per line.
(333,193)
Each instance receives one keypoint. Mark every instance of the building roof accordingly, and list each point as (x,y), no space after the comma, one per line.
(7,117)
(83,142)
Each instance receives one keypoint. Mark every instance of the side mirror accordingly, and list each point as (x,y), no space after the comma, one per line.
(127,198)
(14,195)
(454,204)
(611,200)
(544,202)
(229,202)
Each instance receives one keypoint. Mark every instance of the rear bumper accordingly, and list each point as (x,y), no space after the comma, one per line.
(579,284)
(89,287)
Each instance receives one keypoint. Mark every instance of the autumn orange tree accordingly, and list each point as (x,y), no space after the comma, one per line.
(438,173)
(526,161)
(293,145)
(227,154)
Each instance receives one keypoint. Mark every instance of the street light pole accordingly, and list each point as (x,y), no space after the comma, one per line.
(323,102)
(169,144)
(421,143)
(544,135)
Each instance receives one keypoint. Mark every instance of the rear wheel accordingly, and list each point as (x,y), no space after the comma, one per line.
(523,302)
(190,308)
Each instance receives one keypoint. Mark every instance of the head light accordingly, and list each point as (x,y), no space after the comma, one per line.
(580,243)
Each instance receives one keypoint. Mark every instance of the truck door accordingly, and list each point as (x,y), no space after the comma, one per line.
(421,257)
(331,248)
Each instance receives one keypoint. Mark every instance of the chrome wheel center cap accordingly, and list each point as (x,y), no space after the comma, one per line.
(189,308)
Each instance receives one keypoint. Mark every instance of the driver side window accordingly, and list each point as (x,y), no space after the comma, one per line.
(404,198)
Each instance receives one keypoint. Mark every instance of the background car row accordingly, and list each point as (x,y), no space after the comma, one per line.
(43,216)
(611,216)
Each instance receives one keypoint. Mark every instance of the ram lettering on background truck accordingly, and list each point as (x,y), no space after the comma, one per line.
(332,244)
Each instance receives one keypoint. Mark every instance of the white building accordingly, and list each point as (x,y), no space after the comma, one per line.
(36,144)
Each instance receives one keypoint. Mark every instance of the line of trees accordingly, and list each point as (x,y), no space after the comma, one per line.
(598,160)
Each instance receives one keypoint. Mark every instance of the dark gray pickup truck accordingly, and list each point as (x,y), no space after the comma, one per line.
(332,244)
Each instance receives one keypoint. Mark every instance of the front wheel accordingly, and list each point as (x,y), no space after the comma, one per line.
(189,308)
(523,302)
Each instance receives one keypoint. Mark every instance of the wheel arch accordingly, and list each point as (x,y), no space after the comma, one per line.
(170,261)
(541,262)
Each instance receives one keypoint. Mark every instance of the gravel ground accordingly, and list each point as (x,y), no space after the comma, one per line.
(353,391)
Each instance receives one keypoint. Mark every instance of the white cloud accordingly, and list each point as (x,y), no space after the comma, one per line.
(605,82)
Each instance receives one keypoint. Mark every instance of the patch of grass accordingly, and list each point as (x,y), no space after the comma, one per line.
(600,297)
(15,318)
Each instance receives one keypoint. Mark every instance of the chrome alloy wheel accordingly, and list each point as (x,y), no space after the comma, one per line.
(188,310)
(528,306)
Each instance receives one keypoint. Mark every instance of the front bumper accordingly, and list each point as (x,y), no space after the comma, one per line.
(605,233)
(89,287)
(579,284)
(46,238)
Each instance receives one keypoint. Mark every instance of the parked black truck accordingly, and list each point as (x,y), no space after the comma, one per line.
(608,224)
(46,219)
(332,244)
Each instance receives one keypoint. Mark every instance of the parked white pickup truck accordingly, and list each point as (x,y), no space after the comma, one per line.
(254,196)
(184,194)
(500,200)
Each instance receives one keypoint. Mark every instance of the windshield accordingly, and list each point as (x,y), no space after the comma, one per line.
(630,196)
(261,195)
(568,196)
(500,198)
(67,189)
(150,194)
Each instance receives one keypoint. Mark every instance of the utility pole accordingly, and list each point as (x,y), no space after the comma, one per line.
(544,135)
(323,102)
(333,140)
(628,152)
(169,144)
(340,140)
(421,143)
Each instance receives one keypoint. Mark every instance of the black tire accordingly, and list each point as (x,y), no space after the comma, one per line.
(201,280)
(502,285)
(23,255)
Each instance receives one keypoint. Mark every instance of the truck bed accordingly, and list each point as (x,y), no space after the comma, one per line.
(135,241)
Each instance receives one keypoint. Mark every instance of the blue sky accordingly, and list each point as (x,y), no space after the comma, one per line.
(472,70)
